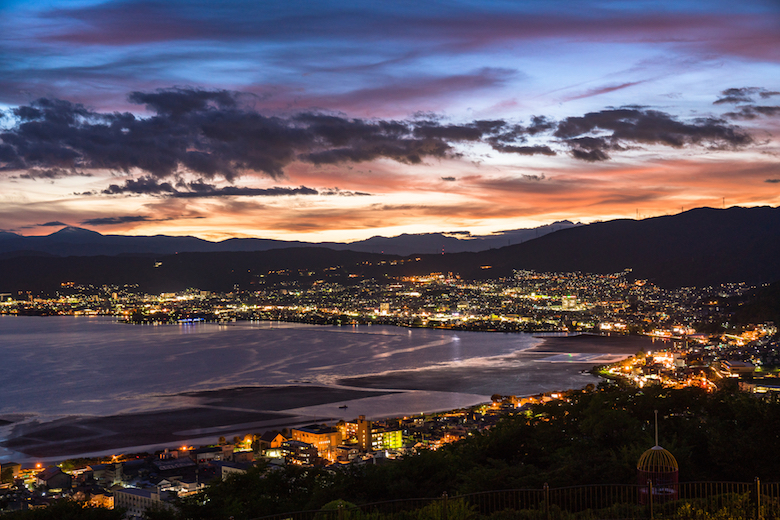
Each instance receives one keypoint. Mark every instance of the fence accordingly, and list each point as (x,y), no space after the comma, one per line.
(691,501)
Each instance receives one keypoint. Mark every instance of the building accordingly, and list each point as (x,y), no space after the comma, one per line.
(53,478)
(244,456)
(767,391)
(347,453)
(233,468)
(730,368)
(11,468)
(363,433)
(206,455)
(137,501)
(324,438)
(386,439)
(271,440)
(569,302)
(299,453)
(165,467)
(371,438)
(107,474)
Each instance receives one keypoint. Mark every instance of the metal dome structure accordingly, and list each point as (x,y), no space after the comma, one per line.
(657,473)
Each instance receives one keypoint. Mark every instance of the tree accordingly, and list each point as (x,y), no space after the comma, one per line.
(67,510)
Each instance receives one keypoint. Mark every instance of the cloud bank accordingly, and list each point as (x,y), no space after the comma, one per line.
(147,185)
(218,134)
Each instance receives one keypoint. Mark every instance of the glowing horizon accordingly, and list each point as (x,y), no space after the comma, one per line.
(341,121)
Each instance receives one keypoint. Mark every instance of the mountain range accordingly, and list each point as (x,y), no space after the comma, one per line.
(699,247)
(74,241)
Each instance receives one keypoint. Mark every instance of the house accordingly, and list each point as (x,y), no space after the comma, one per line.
(53,478)
(271,440)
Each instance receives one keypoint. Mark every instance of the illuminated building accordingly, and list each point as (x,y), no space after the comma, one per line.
(299,453)
(364,433)
(384,439)
(736,368)
(324,439)
(370,438)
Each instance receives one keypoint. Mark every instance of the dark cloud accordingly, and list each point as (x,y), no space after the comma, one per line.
(212,134)
(112,221)
(449,179)
(201,189)
(176,102)
(52,173)
(743,95)
(343,193)
(604,90)
(773,181)
(539,124)
(469,132)
(235,191)
(591,149)
(55,223)
(525,150)
(749,112)
(619,128)
(141,186)
(506,136)
(217,134)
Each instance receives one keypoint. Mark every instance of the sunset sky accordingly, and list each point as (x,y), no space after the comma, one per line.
(344,120)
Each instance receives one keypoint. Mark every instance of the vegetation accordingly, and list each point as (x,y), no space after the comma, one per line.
(67,510)
(594,438)
(758,306)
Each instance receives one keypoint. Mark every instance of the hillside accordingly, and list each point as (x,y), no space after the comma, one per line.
(74,241)
(697,248)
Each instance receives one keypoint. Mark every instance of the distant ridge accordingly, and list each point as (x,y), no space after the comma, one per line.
(699,247)
(75,241)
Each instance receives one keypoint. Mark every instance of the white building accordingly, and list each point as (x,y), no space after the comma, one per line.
(137,501)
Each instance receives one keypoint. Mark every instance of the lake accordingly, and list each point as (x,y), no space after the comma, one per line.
(55,367)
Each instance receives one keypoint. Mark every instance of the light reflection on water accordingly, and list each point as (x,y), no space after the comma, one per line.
(55,366)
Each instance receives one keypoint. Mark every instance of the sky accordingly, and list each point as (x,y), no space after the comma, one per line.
(344,120)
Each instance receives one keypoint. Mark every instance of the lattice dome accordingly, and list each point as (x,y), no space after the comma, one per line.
(657,460)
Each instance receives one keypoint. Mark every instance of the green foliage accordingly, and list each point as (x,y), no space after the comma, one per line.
(160,512)
(67,510)
(720,507)
(258,493)
(71,464)
(456,510)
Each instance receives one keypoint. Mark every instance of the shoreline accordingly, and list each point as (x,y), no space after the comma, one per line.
(218,414)
(202,416)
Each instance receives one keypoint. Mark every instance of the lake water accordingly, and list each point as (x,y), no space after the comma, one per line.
(52,367)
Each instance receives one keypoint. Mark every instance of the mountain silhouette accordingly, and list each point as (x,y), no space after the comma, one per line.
(700,247)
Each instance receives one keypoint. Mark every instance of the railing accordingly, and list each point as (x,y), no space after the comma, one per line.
(690,501)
